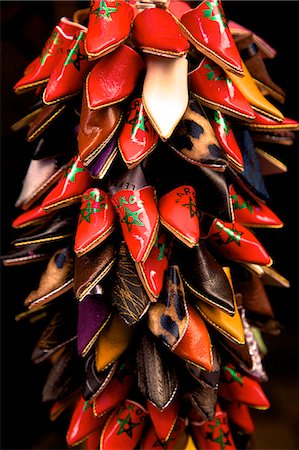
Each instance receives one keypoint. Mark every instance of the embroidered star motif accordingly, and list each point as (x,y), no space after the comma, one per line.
(222,439)
(235,375)
(233,235)
(139,121)
(127,426)
(192,207)
(132,218)
(244,205)
(221,121)
(104,11)
(74,55)
(72,171)
(54,40)
(215,13)
(86,405)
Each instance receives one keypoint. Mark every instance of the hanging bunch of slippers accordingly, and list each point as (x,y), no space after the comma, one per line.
(142,197)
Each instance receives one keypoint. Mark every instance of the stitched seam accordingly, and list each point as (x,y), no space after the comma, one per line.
(105,51)
(93,339)
(269,88)
(98,278)
(161,52)
(36,241)
(185,239)
(206,299)
(41,190)
(67,200)
(100,106)
(136,160)
(39,130)
(232,338)
(143,278)
(266,113)
(225,108)
(35,83)
(106,166)
(89,158)
(51,294)
(65,97)
(25,258)
(209,51)
(96,241)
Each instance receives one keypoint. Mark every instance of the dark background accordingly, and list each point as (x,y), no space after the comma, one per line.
(25,26)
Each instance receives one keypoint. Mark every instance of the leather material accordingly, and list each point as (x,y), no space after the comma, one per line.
(151,272)
(96,129)
(251,92)
(61,405)
(156,377)
(58,333)
(83,423)
(128,294)
(107,28)
(177,440)
(124,427)
(195,345)
(254,296)
(203,399)
(38,71)
(69,74)
(27,254)
(55,229)
(40,177)
(164,76)
(44,119)
(206,27)
(230,326)
(70,187)
(251,180)
(116,391)
(113,340)
(113,78)
(263,123)
(270,165)
(239,415)
(168,318)
(254,61)
(32,217)
(94,313)
(225,135)
(210,379)
(179,214)
(138,216)
(178,8)
(215,182)
(92,267)
(57,279)
(205,278)
(235,242)
(164,421)
(156,31)
(252,214)
(64,377)
(96,220)
(93,441)
(96,382)
(214,89)
(207,435)
(195,141)
(137,137)
(241,388)
(103,162)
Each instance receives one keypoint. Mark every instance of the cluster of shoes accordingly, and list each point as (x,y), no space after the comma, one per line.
(144,185)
